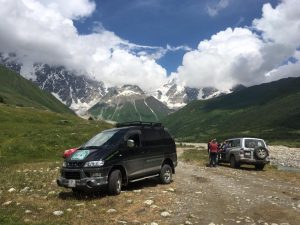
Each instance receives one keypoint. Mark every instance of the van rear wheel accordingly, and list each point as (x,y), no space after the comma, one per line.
(115,182)
(165,174)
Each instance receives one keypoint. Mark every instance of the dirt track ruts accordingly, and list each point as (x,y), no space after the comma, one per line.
(223,195)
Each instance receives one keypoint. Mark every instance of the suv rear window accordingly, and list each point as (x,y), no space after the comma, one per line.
(253,143)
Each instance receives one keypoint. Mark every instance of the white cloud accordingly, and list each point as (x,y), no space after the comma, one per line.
(73,9)
(214,9)
(43,31)
(247,55)
(215,61)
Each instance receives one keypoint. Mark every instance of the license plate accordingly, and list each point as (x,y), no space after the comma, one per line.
(72,183)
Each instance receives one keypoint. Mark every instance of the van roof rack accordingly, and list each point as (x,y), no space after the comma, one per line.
(139,123)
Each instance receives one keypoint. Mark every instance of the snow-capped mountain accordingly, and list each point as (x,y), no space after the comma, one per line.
(74,90)
(176,96)
(88,96)
(129,102)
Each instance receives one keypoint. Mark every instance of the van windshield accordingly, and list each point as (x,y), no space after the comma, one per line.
(253,143)
(101,139)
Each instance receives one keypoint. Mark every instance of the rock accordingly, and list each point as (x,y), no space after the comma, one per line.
(11,190)
(154,206)
(69,210)
(137,191)
(153,223)
(171,189)
(51,193)
(111,211)
(129,201)
(7,203)
(28,211)
(94,205)
(165,214)
(148,202)
(198,192)
(122,222)
(211,223)
(298,205)
(80,204)
(58,213)
(25,189)
(188,222)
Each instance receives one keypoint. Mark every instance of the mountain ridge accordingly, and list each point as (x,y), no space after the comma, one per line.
(16,90)
(269,110)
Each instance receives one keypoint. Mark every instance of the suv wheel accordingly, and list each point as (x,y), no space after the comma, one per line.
(165,174)
(259,166)
(261,153)
(115,182)
(233,163)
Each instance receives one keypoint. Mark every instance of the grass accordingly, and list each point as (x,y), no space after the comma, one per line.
(196,156)
(33,135)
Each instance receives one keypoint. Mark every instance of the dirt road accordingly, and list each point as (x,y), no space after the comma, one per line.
(223,195)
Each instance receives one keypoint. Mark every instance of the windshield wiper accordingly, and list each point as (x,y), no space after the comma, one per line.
(90,147)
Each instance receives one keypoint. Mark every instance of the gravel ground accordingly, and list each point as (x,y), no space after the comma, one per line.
(223,195)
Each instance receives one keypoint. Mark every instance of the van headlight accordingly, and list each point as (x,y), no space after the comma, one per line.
(64,164)
(94,163)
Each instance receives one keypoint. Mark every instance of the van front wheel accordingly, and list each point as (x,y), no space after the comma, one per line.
(165,174)
(115,182)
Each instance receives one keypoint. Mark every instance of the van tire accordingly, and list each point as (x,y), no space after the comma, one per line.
(165,174)
(115,182)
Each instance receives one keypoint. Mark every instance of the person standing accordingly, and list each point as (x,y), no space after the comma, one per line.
(213,152)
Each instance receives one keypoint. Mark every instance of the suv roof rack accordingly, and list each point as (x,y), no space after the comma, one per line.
(139,123)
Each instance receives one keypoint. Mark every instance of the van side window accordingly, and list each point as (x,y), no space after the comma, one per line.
(136,139)
(151,137)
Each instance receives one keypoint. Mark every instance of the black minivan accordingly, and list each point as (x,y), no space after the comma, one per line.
(115,157)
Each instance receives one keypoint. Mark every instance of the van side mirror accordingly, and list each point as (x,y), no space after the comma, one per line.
(130,143)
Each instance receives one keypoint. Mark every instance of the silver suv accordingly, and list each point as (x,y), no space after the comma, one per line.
(245,150)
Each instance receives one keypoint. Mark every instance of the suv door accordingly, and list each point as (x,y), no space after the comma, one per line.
(134,157)
(234,146)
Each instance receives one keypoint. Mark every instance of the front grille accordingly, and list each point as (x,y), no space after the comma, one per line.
(75,164)
(72,175)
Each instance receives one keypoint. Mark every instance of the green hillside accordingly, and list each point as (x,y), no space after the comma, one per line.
(148,109)
(29,134)
(270,111)
(16,90)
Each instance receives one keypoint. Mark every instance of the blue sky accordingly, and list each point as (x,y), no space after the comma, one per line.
(172,22)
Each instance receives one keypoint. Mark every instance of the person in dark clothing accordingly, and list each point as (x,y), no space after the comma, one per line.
(213,152)
(208,146)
